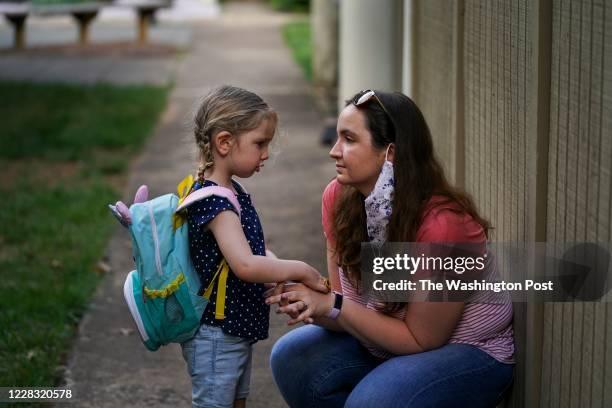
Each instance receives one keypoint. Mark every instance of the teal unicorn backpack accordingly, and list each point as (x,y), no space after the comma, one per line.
(163,293)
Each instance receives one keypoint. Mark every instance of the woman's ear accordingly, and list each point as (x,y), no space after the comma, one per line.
(390,154)
(223,142)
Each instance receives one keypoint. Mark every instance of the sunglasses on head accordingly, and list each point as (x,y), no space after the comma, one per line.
(366,96)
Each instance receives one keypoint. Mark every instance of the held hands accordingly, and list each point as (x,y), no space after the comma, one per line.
(294,298)
(304,303)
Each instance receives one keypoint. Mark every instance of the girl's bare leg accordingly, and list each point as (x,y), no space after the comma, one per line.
(240,403)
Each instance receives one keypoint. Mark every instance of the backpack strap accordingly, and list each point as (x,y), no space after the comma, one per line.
(205,192)
(223,268)
(240,186)
(221,273)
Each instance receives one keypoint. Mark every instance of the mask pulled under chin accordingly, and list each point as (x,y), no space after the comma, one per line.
(378,204)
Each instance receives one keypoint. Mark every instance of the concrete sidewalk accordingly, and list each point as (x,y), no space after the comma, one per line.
(108,365)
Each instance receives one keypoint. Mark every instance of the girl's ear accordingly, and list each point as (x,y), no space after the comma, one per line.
(223,142)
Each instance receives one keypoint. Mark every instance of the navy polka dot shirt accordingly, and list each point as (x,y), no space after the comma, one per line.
(246,314)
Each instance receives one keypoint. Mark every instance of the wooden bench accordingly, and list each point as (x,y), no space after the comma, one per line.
(145,9)
(83,13)
(16,12)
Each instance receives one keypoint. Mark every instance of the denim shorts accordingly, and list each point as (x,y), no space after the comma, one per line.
(219,365)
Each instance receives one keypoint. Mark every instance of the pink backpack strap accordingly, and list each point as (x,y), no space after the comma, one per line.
(207,192)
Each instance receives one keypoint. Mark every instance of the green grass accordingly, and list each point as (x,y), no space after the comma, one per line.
(296,6)
(297,37)
(63,153)
(68,123)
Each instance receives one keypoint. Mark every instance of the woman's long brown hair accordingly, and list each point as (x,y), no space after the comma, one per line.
(418,177)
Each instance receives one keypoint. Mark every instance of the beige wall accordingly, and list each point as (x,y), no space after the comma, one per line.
(501,141)
(522,92)
(500,146)
(577,337)
(434,75)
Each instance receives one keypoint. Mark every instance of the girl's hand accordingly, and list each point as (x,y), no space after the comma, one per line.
(315,281)
(305,303)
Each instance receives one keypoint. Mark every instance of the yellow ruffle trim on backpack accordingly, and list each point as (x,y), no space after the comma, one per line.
(168,290)
(222,273)
(183,189)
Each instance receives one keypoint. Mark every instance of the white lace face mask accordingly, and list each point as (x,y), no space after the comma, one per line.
(378,203)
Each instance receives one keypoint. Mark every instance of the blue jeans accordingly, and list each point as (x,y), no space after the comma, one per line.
(219,365)
(316,367)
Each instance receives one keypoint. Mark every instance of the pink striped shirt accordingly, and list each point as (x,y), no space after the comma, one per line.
(487,326)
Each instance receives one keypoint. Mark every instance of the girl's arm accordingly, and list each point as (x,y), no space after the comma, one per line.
(228,233)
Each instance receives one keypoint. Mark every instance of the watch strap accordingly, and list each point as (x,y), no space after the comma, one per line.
(335,310)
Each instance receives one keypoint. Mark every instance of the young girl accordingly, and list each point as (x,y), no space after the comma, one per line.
(233,129)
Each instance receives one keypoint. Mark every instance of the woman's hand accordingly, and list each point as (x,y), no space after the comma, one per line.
(304,302)
(275,289)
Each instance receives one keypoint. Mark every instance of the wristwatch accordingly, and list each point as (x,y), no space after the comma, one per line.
(335,310)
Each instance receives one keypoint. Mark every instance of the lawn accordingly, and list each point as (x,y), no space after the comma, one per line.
(295,6)
(297,37)
(64,152)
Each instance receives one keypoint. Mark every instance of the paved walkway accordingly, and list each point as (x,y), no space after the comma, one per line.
(108,366)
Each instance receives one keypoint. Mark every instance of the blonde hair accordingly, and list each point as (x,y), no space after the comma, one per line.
(230,109)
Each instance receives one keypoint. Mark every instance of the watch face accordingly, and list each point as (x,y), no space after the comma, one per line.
(337,301)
